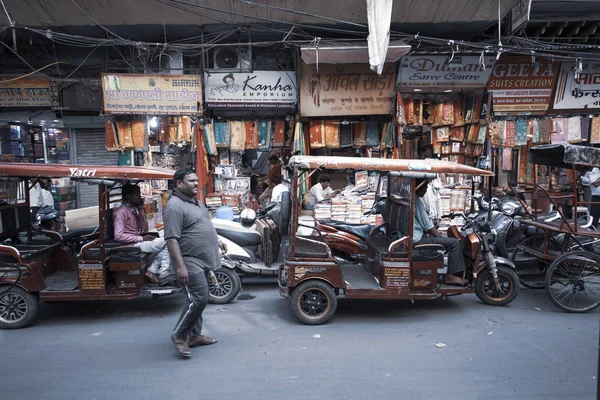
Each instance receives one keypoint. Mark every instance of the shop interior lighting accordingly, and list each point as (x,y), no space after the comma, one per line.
(448,91)
(418,90)
(55,121)
(153,122)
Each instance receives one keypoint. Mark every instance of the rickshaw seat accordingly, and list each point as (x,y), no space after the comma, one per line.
(116,252)
(381,246)
(72,234)
(428,253)
(307,249)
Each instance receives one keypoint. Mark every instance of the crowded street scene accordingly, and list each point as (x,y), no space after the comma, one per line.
(300,199)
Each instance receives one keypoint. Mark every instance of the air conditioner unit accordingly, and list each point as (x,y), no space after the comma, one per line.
(234,59)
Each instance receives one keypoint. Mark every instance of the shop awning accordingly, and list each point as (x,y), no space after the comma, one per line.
(566,155)
(25,170)
(349,54)
(383,164)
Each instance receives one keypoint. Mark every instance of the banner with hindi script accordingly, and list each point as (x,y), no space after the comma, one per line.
(346,90)
(152,94)
(578,94)
(26,92)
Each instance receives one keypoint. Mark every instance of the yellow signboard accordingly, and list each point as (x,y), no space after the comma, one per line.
(152,94)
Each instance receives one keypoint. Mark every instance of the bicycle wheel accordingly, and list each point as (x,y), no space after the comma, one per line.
(573,281)
(529,268)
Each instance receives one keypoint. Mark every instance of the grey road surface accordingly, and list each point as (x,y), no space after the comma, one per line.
(369,350)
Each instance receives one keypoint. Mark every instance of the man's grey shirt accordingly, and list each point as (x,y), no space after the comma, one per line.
(187,221)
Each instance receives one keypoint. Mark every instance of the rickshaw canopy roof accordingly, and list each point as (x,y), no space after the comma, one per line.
(565,155)
(24,170)
(385,164)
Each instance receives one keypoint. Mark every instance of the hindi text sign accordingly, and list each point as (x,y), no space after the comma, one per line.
(152,94)
(346,89)
(26,92)
(581,93)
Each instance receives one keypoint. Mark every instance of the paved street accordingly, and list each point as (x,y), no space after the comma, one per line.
(369,350)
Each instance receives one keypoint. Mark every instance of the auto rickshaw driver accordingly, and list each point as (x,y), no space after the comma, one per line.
(131,227)
(424,232)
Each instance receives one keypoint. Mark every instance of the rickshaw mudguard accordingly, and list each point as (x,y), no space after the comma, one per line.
(30,281)
(297,274)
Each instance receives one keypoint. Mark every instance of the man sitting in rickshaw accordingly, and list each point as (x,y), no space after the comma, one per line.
(424,232)
(130,227)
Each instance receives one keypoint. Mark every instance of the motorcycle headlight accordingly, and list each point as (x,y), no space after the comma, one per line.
(508,209)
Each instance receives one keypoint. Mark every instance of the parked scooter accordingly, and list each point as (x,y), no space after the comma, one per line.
(256,245)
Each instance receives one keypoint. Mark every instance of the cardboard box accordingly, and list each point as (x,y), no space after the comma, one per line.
(82,218)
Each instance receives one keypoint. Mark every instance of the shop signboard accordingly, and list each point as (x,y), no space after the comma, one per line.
(521,86)
(346,89)
(420,72)
(578,94)
(264,90)
(26,92)
(152,94)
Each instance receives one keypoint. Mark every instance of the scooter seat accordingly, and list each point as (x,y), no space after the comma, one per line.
(241,238)
(360,230)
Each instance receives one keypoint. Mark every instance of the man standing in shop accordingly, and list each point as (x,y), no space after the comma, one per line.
(194,247)
(274,172)
(592,179)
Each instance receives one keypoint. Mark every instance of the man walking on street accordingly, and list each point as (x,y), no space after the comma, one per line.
(194,248)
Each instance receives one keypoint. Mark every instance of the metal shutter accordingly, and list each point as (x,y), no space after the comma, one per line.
(90,148)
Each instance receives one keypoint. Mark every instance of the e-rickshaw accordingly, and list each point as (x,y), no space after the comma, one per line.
(312,277)
(561,249)
(78,265)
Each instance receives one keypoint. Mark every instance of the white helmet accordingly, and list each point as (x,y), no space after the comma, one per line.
(248,216)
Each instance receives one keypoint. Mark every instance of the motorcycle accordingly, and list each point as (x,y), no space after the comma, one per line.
(348,242)
(47,218)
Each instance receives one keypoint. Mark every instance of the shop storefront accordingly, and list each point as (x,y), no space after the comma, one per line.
(348,110)
(154,122)
(252,116)
(521,93)
(445,116)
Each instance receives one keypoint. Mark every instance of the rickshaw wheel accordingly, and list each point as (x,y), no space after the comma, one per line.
(18,308)
(485,288)
(230,286)
(314,302)
(573,281)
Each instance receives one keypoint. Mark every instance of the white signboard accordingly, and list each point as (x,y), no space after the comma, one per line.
(251,90)
(434,71)
(581,93)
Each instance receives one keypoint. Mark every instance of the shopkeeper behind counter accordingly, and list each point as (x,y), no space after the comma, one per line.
(320,192)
